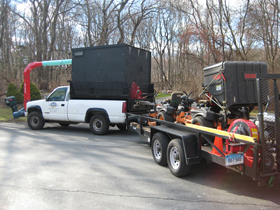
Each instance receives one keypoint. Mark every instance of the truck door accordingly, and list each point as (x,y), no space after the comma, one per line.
(55,107)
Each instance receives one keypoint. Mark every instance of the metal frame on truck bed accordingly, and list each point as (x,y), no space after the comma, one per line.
(253,151)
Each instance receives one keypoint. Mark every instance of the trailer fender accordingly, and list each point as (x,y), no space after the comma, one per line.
(92,111)
(191,144)
(191,148)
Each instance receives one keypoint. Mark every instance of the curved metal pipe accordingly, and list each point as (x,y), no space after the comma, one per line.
(33,65)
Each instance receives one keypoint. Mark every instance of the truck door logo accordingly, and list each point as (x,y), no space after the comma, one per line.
(53,105)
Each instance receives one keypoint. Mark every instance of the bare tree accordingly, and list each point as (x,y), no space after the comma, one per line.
(121,19)
(184,36)
(3,29)
(161,41)
(137,16)
(266,19)
(43,24)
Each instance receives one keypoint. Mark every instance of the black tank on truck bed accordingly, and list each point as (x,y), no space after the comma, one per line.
(109,72)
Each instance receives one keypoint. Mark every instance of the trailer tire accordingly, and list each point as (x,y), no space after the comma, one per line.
(159,148)
(35,120)
(122,127)
(164,116)
(176,159)
(199,120)
(99,125)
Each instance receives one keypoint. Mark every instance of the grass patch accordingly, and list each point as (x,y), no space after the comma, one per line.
(161,95)
(6,115)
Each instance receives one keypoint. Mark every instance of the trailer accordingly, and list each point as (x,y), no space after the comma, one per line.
(249,147)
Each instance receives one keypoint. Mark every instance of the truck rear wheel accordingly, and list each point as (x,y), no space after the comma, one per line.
(164,116)
(199,120)
(176,159)
(35,121)
(159,148)
(99,125)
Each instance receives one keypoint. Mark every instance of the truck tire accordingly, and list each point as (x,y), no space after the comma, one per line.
(164,116)
(122,127)
(176,159)
(35,121)
(159,148)
(99,125)
(199,120)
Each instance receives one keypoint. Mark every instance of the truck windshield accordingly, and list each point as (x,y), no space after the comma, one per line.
(58,95)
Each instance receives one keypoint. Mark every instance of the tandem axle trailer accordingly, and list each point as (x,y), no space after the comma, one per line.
(249,147)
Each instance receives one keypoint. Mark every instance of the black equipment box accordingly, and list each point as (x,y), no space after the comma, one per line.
(107,72)
(233,83)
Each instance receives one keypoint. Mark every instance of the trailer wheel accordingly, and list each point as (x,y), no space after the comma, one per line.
(122,127)
(99,124)
(35,121)
(164,116)
(176,159)
(64,124)
(159,148)
(199,120)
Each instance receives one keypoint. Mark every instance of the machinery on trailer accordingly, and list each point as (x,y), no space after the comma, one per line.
(250,146)
(229,88)
(176,108)
(230,91)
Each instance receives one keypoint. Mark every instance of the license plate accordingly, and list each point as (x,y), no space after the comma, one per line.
(234,159)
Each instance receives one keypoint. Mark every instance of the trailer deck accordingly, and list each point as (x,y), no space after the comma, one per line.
(173,130)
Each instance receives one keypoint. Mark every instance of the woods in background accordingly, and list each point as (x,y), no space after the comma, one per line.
(184,36)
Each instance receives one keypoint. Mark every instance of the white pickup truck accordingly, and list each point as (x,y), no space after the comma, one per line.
(58,107)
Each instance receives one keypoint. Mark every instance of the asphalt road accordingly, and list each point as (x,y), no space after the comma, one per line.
(70,168)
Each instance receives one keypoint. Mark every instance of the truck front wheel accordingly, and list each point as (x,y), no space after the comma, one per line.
(99,124)
(35,121)
(176,159)
(159,148)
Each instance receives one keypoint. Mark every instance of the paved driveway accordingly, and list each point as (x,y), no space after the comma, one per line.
(70,168)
